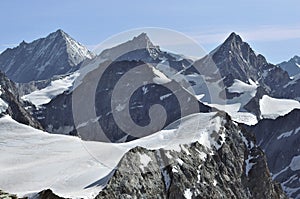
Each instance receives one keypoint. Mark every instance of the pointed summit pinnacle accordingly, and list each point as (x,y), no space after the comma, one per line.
(233,37)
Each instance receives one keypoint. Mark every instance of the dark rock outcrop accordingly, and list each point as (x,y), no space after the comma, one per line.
(280,140)
(9,94)
(4,195)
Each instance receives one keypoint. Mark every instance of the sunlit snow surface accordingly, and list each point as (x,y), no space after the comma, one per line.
(272,108)
(235,114)
(32,160)
(56,87)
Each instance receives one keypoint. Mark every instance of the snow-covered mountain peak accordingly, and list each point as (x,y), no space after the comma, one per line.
(43,58)
(76,51)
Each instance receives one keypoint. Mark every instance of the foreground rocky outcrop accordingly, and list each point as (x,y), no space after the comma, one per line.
(15,106)
(280,140)
(237,170)
(230,166)
(4,195)
(47,194)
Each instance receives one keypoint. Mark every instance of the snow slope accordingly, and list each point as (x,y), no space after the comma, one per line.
(56,87)
(239,86)
(32,160)
(246,91)
(272,108)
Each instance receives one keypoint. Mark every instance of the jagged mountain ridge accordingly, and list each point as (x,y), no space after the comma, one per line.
(43,58)
(235,59)
(243,73)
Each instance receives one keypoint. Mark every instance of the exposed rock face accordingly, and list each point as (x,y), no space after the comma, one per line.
(292,66)
(280,140)
(237,170)
(58,114)
(41,59)
(235,59)
(45,194)
(48,194)
(4,195)
(15,109)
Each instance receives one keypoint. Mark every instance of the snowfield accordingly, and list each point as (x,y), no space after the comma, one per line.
(272,108)
(246,91)
(33,160)
(44,96)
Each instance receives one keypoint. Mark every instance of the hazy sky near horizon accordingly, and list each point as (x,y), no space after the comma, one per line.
(271,27)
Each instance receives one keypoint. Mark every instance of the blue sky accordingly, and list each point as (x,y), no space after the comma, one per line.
(272,27)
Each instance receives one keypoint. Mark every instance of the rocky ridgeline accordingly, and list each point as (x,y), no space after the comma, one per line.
(237,170)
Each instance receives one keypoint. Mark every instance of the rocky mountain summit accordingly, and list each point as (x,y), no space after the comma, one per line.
(235,59)
(43,58)
(248,75)
(292,66)
(140,48)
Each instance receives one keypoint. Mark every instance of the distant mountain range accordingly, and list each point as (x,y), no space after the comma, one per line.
(249,109)
(292,66)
